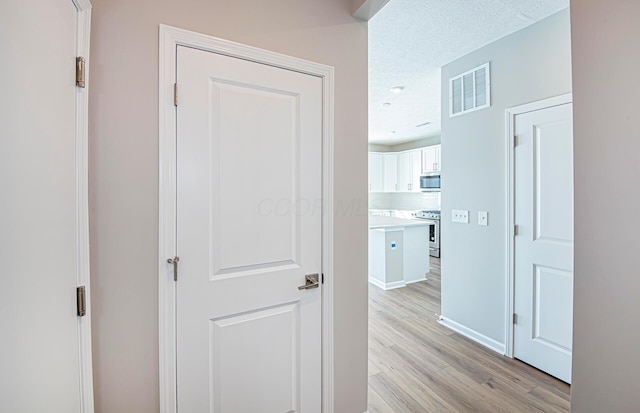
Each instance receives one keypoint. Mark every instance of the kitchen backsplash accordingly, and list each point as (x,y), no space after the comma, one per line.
(404,201)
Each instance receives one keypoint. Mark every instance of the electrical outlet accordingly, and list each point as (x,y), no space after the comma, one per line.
(483,218)
(460,215)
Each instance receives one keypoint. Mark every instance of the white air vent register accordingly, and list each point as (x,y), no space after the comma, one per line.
(470,91)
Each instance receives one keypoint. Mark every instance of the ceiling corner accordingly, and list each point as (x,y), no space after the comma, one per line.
(366,9)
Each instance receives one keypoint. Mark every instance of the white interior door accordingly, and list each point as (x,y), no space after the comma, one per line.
(249,162)
(544,240)
(39,328)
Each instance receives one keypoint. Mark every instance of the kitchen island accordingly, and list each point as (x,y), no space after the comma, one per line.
(398,251)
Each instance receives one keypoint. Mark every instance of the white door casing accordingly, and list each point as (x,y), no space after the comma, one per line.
(543,244)
(231,261)
(45,347)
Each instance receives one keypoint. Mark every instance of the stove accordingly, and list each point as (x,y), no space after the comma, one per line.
(434,230)
(433,214)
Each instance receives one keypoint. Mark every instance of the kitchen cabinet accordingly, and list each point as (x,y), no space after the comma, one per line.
(416,170)
(409,171)
(431,159)
(400,171)
(390,162)
(376,172)
(404,172)
(397,251)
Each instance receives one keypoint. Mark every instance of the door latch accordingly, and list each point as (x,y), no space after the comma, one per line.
(311,281)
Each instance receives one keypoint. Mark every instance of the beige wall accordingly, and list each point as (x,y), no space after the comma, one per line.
(124,176)
(606,86)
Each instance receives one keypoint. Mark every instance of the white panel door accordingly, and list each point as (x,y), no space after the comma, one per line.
(544,240)
(249,166)
(39,348)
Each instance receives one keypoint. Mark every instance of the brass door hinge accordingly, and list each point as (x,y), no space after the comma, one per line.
(515,318)
(80,71)
(81,301)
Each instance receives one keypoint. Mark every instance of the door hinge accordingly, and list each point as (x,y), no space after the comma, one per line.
(174,262)
(81,301)
(515,318)
(175,94)
(515,140)
(515,230)
(80,62)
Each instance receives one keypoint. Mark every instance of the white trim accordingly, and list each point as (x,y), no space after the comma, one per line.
(415,281)
(472,334)
(169,39)
(387,286)
(83,30)
(510,115)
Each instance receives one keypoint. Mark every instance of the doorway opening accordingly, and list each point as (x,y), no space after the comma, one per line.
(436,331)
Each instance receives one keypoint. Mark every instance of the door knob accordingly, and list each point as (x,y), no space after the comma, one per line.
(311,281)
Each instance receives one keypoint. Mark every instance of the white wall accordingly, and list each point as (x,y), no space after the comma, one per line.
(606,86)
(124,176)
(529,65)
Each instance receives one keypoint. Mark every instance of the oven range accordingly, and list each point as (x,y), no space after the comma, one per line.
(434,230)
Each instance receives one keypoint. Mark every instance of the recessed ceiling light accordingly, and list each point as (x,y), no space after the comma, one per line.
(392,132)
(423,124)
(386,104)
(397,89)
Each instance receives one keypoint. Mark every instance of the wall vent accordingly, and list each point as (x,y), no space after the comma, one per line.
(470,91)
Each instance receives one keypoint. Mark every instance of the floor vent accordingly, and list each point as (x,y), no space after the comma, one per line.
(470,91)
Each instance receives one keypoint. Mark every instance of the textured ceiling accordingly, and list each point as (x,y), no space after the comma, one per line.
(409,40)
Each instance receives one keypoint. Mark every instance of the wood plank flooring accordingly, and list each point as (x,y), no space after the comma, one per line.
(417,365)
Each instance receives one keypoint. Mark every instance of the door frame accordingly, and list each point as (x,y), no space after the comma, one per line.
(83,33)
(169,38)
(510,116)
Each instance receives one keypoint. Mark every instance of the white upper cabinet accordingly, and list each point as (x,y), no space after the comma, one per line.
(404,171)
(416,170)
(390,172)
(376,172)
(431,159)
(409,171)
(400,171)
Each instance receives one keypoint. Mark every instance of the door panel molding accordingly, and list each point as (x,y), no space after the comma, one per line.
(169,39)
(510,116)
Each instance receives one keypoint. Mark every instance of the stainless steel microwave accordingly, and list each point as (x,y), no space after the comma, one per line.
(430,182)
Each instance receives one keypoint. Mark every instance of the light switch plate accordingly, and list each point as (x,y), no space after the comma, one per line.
(460,215)
(483,218)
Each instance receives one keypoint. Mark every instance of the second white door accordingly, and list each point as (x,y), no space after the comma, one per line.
(249,208)
(544,240)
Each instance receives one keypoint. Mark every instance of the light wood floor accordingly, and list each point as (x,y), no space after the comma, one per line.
(416,365)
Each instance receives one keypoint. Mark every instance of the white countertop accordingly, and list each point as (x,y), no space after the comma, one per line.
(378,222)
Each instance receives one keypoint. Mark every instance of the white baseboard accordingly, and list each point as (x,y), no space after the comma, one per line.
(473,335)
(386,286)
(415,281)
